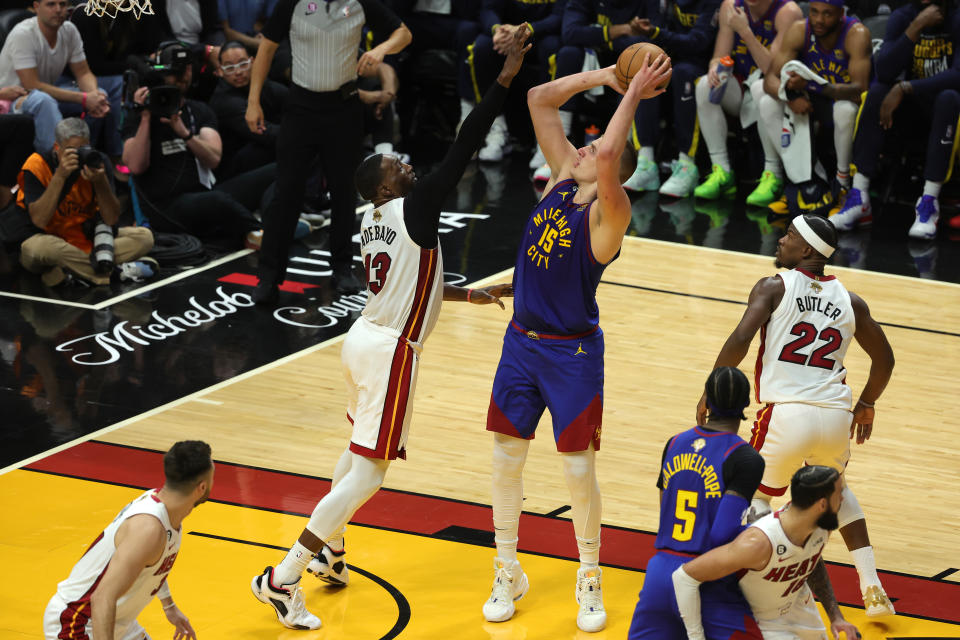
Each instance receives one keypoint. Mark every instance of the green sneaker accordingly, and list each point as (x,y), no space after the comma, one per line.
(719,184)
(767,191)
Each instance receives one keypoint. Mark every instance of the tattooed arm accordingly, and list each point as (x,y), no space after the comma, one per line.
(819,583)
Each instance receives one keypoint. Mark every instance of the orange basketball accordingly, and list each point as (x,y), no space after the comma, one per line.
(631,60)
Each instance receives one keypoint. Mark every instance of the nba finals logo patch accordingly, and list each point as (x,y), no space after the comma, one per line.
(816,287)
(311,8)
(376,215)
(698,444)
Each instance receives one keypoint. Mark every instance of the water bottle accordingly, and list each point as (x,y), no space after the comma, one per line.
(590,134)
(724,69)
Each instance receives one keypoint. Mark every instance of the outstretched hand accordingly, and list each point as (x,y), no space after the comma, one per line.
(492,294)
(848,630)
(516,49)
(651,79)
(862,423)
(182,628)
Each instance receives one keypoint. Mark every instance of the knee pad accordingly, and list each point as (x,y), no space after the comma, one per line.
(850,510)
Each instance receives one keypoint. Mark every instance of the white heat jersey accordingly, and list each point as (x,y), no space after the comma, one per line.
(76,590)
(404,280)
(804,342)
(782,584)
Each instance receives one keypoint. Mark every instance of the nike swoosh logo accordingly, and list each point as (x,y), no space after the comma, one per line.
(782,559)
(946,142)
(686,98)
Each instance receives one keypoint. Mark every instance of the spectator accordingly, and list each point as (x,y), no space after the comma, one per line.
(750,32)
(377,91)
(836,48)
(192,21)
(173,159)
(241,19)
(917,48)
(589,27)
(16,141)
(322,119)
(686,30)
(499,19)
(66,198)
(107,43)
(35,55)
(243,149)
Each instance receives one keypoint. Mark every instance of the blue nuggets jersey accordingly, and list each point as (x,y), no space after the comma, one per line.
(833,65)
(692,481)
(556,277)
(765,31)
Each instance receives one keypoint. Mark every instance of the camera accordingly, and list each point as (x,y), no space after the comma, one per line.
(102,255)
(89,157)
(163,100)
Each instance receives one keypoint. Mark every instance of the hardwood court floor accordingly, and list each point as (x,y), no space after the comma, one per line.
(666,310)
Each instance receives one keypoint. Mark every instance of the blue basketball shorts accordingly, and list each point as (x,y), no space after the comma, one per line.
(564,375)
(726,614)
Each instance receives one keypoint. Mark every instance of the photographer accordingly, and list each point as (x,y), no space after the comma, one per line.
(64,192)
(172,146)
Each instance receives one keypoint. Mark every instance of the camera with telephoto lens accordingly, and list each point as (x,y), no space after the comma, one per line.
(89,157)
(162,100)
(101,257)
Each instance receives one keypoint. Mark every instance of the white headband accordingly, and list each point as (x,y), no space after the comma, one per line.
(811,237)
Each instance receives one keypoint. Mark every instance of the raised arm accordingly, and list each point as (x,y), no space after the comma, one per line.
(139,543)
(764,298)
(874,341)
(421,208)
(610,212)
(750,550)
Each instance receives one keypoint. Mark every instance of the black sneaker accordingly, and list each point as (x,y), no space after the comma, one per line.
(267,293)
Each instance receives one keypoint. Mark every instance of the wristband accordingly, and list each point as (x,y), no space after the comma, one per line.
(83,100)
(868,405)
(906,87)
(469,291)
(169,606)
(815,87)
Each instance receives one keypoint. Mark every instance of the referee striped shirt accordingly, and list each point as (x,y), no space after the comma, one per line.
(325,37)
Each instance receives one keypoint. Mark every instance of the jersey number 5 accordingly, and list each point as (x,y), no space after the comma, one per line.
(808,333)
(376,266)
(686,515)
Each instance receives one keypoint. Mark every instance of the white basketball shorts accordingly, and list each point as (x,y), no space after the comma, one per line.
(380,370)
(801,622)
(791,434)
(60,621)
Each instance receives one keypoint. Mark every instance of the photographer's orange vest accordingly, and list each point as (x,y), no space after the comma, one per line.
(76,207)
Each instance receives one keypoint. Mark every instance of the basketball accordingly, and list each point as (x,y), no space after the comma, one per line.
(631,60)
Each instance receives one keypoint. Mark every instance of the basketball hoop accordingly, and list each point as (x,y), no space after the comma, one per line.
(111,8)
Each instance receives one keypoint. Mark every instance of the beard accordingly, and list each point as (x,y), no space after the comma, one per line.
(203,498)
(829,520)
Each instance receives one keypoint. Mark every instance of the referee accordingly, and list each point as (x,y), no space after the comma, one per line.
(323,116)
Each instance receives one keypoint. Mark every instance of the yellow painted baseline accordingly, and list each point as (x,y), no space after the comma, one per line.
(444,582)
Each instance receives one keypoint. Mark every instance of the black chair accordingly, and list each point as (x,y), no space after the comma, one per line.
(878,29)
(8,20)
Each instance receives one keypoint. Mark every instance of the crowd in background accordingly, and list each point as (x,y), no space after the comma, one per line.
(198,168)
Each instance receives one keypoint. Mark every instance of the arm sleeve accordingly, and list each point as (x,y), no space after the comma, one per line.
(490,15)
(381,20)
(551,23)
(897,50)
(698,40)
(421,209)
(278,24)
(687,592)
(743,470)
(579,27)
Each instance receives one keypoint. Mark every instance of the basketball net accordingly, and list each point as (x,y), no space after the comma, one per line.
(111,8)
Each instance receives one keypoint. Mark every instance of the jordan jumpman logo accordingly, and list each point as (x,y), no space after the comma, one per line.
(579,350)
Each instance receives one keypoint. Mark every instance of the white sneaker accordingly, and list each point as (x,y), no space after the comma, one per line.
(507,587)
(496,141)
(876,603)
(592,616)
(924,227)
(542,175)
(538,159)
(330,566)
(683,180)
(646,177)
(286,600)
(855,210)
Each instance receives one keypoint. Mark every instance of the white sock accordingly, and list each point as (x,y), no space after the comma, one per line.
(774,167)
(465,108)
(866,565)
(293,564)
(383,147)
(931,188)
(336,542)
(843,179)
(861,183)
(685,158)
(721,159)
(589,552)
(646,152)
